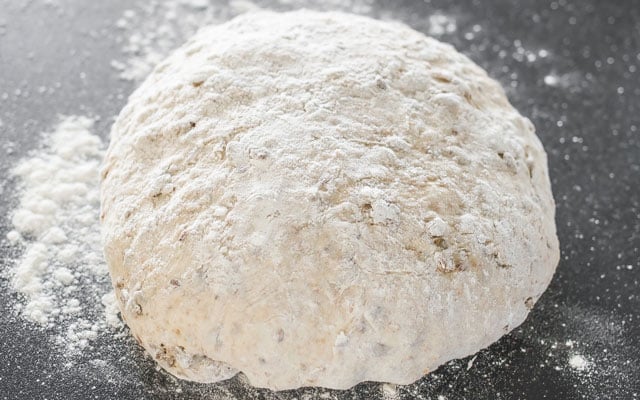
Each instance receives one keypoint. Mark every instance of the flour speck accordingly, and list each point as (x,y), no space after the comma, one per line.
(551,80)
(579,363)
(440,24)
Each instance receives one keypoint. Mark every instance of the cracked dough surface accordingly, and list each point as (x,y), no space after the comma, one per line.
(323,199)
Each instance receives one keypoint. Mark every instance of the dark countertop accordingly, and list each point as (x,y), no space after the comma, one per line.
(582,91)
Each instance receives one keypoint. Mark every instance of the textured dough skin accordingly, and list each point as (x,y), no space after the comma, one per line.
(321,199)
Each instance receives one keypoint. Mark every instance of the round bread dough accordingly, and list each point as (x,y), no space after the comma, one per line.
(323,199)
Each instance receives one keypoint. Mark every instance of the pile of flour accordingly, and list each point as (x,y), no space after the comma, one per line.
(61,273)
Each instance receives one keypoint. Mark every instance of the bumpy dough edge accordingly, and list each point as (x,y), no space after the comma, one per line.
(241,171)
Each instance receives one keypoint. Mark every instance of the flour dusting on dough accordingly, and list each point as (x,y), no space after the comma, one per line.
(357,208)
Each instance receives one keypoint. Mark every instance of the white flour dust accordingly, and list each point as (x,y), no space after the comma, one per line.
(578,362)
(61,273)
(440,24)
(148,33)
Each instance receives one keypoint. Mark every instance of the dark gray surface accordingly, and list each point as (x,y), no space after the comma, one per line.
(588,125)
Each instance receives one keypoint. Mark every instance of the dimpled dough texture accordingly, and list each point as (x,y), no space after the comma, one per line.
(321,199)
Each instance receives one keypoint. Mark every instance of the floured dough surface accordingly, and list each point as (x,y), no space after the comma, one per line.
(323,199)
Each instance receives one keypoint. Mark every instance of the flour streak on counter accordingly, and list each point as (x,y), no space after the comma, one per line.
(61,273)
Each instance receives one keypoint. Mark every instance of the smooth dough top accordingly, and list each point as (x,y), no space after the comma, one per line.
(323,199)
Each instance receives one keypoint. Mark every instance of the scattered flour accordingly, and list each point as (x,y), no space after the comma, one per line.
(148,33)
(569,80)
(389,391)
(61,272)
(470,363)
(440,24)
(551,80)
(111,310)
(579,363)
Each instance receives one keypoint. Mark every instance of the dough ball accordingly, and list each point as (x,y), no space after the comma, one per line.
(323,199)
